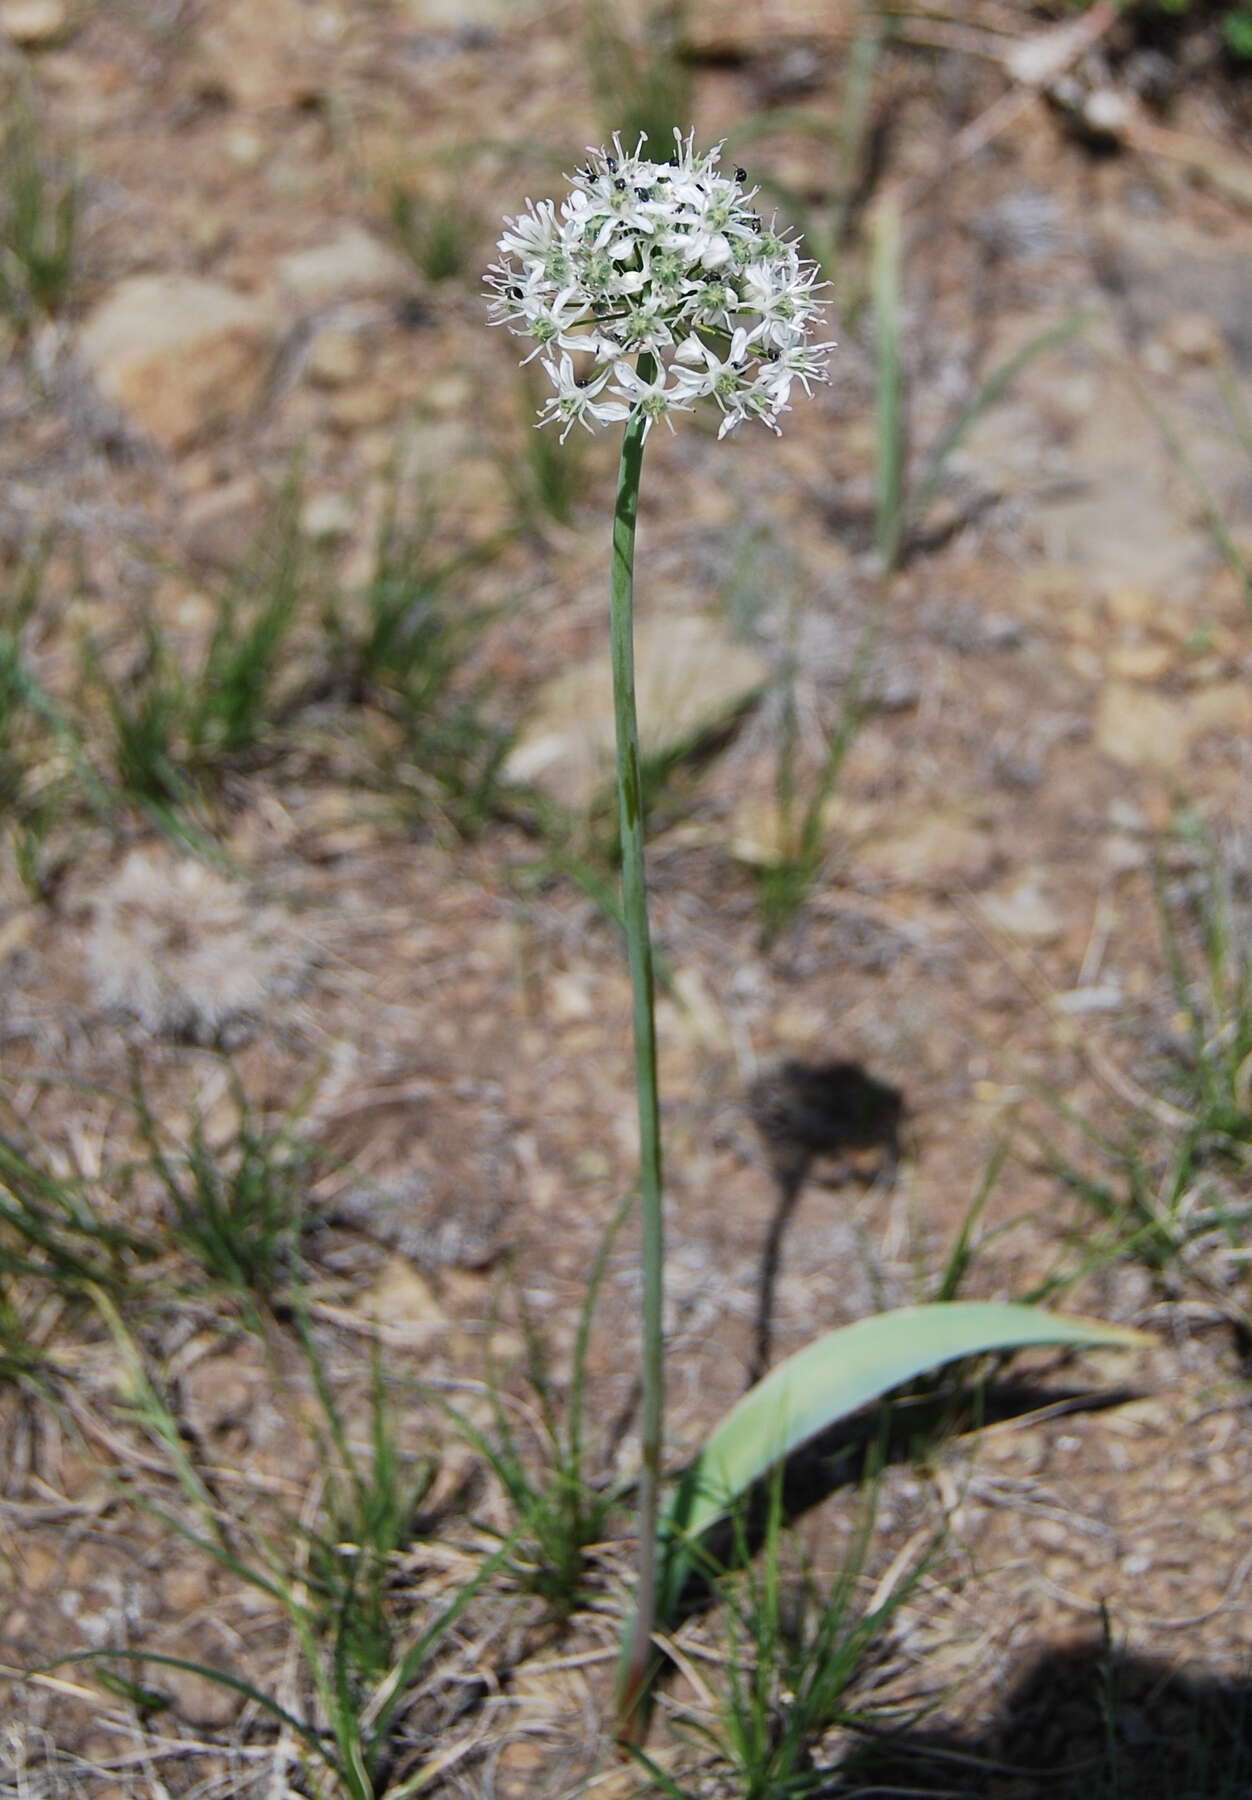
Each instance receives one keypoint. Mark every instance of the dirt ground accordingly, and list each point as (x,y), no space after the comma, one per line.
(1057,712)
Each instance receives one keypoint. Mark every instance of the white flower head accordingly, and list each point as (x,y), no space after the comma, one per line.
(667,261)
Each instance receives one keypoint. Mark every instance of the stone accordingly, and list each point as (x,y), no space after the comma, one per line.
(244,146)
(1024,912)
(1141,730)
(1140,662)
(336,358)
(258,56)
(1144,730)
(185,1588)
(197,1699)
(464,17)
(690,675)
(32,23)
(179,356)
(351,265)
(935,850)
(359,408)
(519,1769)
(1131,605)
(1225,706)
(40,1563)
(326,518)
(221,1391)
(401,1296)
(218,525)
(1192,337)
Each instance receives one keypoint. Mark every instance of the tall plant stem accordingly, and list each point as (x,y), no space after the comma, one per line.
(634,1672)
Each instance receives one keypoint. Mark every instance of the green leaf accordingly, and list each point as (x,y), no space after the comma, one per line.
(307,1733)
(827,1380)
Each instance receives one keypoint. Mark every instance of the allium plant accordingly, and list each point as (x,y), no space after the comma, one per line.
(655,285)
(667,286)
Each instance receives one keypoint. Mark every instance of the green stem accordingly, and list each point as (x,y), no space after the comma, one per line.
(634,1674)
(889,431)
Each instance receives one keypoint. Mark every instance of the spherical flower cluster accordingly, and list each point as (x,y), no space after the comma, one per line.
(667,286)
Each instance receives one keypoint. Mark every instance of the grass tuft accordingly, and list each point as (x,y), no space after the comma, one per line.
(364,1641)
(1169,1182)
(239,1214)
(231,706)
(399,648)
(901,503)
(794,1646)
(52,1233)
(642,87)
(436,232)
(171,731)
(369,1515)
(39,751)
(783,883)
(39,210)
(549,477)
(558,1514)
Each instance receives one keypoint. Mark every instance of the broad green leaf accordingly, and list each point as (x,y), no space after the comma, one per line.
(834,1376)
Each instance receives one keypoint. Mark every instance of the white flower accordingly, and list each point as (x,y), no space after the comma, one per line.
(534,234)
(651,398)
(667,261)
(574,402)
(795,362)
(781,291)
(704,372)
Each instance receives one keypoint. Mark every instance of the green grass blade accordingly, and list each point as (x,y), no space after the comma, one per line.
(961,1254)
(582,1337)
(390,1693)
(1219,530)
(1237,409)
(890,434)
(985,397)
(852,126)
(656,1773)
(304,1731)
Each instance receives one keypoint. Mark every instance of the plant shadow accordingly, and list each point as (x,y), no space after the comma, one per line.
(1085,1721)
(804,1112)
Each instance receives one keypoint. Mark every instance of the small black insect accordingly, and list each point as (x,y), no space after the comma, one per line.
(741,174)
